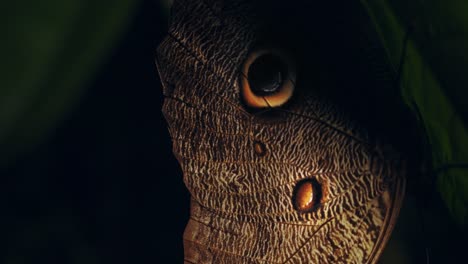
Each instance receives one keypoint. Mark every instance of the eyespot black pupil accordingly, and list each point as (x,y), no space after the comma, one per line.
(266,74)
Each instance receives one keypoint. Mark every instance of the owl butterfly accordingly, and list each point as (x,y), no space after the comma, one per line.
(286,121)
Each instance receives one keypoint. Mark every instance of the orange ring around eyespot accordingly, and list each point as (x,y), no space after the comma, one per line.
(276,99)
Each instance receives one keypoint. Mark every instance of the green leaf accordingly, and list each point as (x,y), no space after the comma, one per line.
(433,82)
(49,51)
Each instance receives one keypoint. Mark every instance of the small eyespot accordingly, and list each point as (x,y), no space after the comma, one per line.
(268,78)
(259,148)
(307,195)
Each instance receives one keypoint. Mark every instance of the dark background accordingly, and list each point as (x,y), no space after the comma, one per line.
(103,187)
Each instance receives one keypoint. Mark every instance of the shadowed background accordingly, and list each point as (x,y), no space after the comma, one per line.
(87,171)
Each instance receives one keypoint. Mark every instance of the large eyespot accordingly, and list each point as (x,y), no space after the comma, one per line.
(268,79)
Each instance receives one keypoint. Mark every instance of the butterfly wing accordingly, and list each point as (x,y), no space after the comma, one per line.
(243,167)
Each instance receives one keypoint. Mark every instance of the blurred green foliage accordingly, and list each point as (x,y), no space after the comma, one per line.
(432,37)
(72,74)
(49,50)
